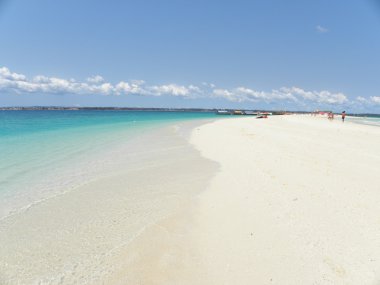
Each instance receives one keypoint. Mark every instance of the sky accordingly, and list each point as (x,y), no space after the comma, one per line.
(272,54)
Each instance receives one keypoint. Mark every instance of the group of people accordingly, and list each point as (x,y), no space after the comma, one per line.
(331,116)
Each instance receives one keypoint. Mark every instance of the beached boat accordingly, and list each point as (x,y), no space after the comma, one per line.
(263,115)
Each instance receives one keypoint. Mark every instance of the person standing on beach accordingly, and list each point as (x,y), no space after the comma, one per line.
(343,116)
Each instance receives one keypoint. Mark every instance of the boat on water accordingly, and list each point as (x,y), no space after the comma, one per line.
(223,112)
(250,113)
(258,115)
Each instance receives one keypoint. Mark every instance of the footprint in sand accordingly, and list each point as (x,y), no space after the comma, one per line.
(337,269)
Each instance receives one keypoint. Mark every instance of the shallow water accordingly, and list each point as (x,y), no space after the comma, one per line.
(45,153)
(373,121)
(82,236)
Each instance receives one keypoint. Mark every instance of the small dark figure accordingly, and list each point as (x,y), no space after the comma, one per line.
(343,116)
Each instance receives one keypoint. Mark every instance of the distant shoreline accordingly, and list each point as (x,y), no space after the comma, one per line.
(200,110)
(58,108)
(63,108)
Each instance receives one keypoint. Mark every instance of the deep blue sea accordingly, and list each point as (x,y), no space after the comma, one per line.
(46,152)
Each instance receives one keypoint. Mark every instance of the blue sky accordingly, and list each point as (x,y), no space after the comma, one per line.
(273,54)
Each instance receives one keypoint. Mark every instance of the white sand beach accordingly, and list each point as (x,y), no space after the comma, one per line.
(294,200)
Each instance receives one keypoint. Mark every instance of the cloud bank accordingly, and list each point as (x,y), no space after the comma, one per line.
(16,83)
(372,100)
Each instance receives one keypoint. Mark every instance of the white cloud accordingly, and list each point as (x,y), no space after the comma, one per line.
(372,100)
(170,89)
(294,94)
(253,95)
(106,88)
(321,29)
(7,74)
(133,87)
(375,99)
(95,79)
(194,88)
(123,87)
(361,99)
(19,83)
(249,94)
(41,79)
(317,96)
(224,93)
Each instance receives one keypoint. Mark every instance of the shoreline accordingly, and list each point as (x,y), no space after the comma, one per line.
(90,163)
(75,237)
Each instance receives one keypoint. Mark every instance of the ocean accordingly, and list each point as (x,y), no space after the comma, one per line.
(45,153)
(373,120)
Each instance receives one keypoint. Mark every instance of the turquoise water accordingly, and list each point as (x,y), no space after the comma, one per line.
(44,153)
(368,120)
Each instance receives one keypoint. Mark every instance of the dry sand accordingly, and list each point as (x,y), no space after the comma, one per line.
(296,201)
